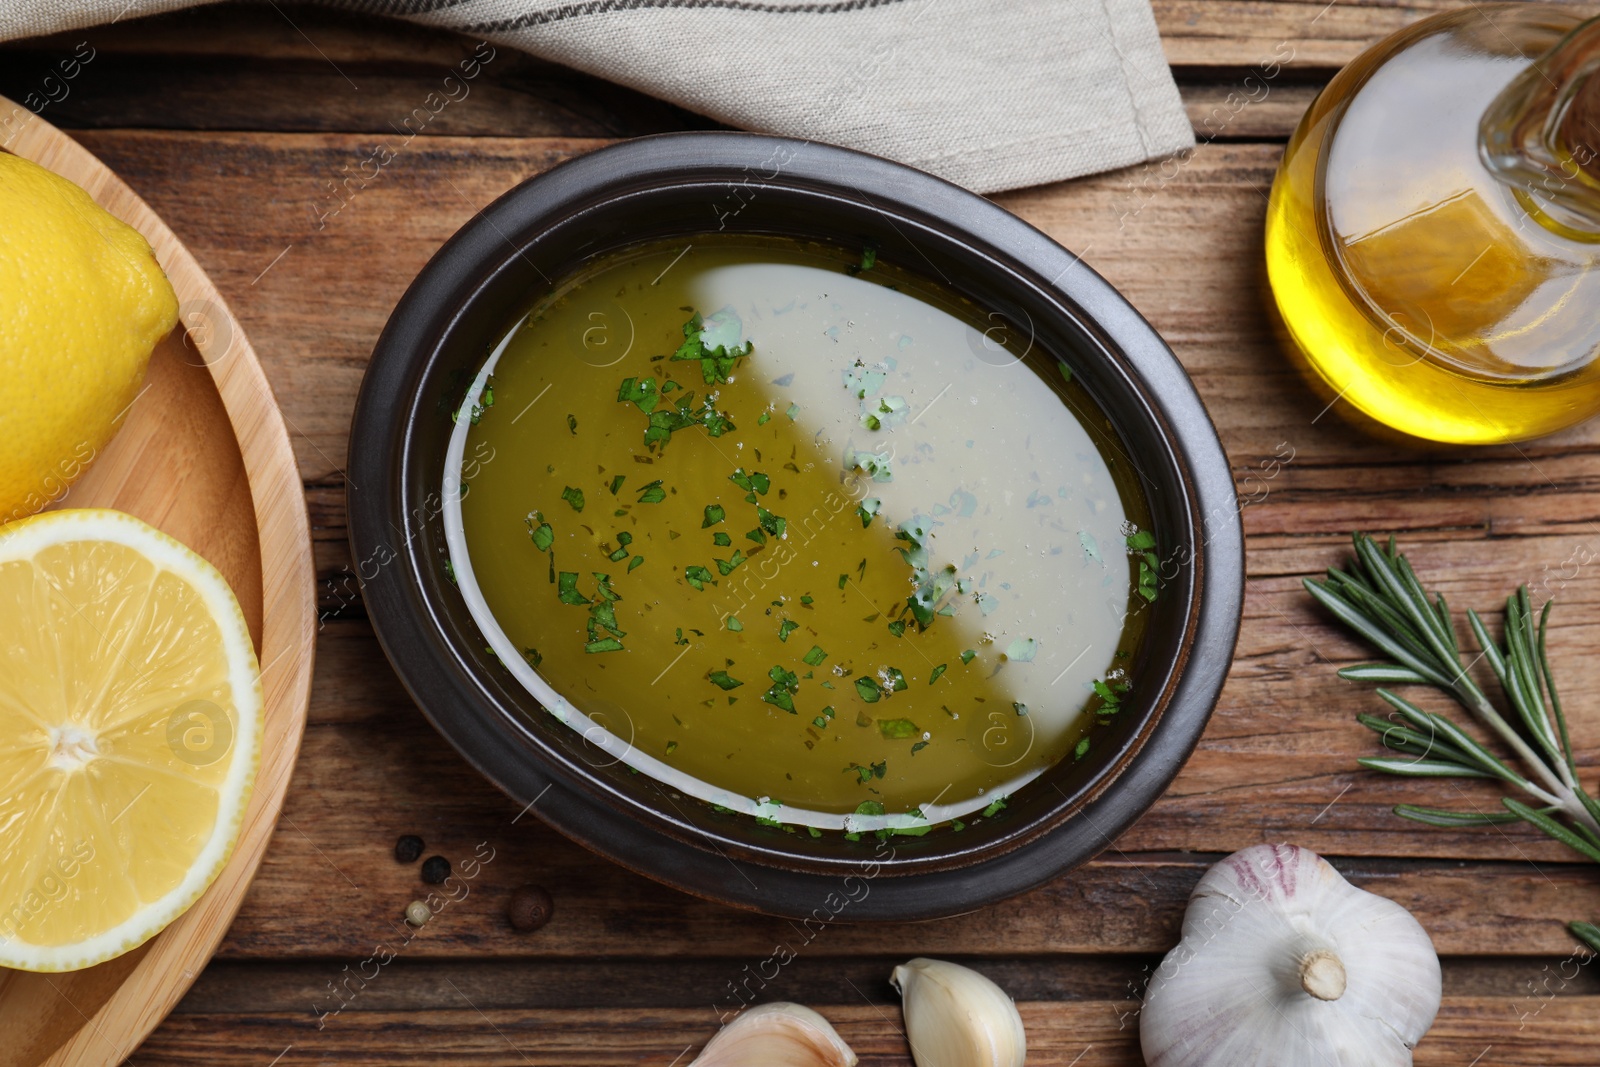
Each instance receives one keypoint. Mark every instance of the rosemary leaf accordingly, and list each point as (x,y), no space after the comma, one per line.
(1551,827)
(1422,768)
(1450,819)
(1392,673)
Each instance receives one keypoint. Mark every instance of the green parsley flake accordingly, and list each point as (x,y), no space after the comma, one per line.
(938,672)
(867,509)
(996,806)
(567,589)
(868,690)
(572,424)
(574,497)
(871,807)
(722,681)
(616,483)
(697,576)
(785,684)
(787,627)
(714,515)
(634,562)
(1081,750)
(773,524)
(721,540)
(543,537)
(815,657)
(652,493)
(604,644)
(966,657)
(897,729)
(1023,649)
(734,624)
(726,566)
(533,657)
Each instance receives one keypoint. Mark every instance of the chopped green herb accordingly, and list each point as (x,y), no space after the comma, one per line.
(723,681)
(721,540)
(726,566)
(806,600)
(533,657)
(757,536)
(574,497)
(763,418)
(450,571)
(652,493)
(867,509)
(870,807)
(634,562)
(672,746)
(714,515)
(815,657)
(966,657)
(567,589)
(937,673)
(543,537)
(572,424)
(996,806)
(787,627)
(785,684)
(868,690)
(616,483)
(1023,649)
(898,628)
(697,576)
(734,624)
(897,729)
(604,644)
(794,409)
(619,555)
(897,681)
(1066,371)
(1081,749)
(843,578)
(1142,541)
(716,361)
(918,747)
(680,639)
(773,524)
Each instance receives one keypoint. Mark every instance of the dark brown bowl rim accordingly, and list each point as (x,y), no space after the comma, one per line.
(402,593)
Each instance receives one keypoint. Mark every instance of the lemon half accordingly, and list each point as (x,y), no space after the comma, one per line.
(130,732)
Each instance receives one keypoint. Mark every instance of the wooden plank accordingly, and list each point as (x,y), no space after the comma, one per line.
(334,846)
(236,987)
(1060,1034)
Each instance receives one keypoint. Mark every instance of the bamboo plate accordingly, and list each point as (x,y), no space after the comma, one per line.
(204,456)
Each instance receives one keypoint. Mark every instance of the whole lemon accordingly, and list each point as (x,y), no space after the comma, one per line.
(82,304)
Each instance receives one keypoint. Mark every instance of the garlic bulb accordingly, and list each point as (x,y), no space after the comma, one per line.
(1284,962)
(776,1035)
(955,1017)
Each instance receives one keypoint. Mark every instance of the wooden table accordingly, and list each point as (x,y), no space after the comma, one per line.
(232,122)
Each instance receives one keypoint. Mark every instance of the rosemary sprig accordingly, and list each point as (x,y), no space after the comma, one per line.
(1382,600)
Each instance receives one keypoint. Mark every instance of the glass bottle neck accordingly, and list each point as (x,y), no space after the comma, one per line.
(1541,136)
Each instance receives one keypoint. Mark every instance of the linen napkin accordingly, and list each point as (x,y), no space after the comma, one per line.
(991,94)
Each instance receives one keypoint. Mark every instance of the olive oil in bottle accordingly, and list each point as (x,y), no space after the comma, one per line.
(1433,239)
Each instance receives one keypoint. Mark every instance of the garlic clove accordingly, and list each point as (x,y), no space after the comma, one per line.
(780,1034)
(955,1017)
(1282,961)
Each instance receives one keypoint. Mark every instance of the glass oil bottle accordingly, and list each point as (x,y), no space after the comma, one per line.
(1433,238)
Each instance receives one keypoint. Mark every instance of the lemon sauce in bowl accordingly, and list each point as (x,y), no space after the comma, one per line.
(799,534)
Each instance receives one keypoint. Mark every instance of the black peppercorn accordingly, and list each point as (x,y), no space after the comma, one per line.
(435,869)
(529,908)
(408,848)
